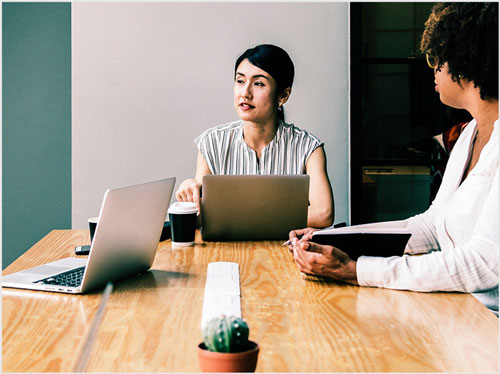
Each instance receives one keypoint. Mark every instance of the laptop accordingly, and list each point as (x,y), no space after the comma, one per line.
(253,207)
(125,243)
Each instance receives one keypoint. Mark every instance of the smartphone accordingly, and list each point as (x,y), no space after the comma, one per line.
(82,250)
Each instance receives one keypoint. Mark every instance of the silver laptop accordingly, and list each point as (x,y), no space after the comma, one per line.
(125,243)
(253,207)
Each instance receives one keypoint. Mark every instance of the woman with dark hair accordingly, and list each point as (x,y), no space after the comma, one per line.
(458,237)
(261,142)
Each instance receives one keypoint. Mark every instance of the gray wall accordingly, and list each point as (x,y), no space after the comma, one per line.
(149,78)
(36,123)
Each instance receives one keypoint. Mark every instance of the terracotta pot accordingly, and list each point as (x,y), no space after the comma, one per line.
(219,362)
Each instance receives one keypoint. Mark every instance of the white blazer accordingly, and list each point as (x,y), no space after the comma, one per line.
(459,234)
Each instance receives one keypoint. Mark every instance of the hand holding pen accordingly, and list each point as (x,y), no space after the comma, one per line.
(299,234)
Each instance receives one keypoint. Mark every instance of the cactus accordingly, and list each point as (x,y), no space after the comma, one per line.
(226,334)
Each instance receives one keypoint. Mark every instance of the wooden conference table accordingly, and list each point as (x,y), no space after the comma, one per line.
(303,324)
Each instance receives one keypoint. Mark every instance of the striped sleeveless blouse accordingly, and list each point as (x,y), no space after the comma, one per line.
(226,152)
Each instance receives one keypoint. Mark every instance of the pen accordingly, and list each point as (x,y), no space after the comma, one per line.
(336,226)
(288,242)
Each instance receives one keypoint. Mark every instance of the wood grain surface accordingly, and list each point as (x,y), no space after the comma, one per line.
(302,323)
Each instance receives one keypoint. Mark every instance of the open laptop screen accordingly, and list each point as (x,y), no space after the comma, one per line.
(253,207)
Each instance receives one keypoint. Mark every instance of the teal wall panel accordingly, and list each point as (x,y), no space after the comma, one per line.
(36,123)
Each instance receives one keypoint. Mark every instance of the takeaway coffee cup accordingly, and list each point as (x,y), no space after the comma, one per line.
(92,227)
(182,216)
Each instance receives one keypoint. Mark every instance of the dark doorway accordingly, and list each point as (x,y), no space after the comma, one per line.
(395,112)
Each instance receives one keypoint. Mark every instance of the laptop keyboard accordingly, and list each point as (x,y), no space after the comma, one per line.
(72,278)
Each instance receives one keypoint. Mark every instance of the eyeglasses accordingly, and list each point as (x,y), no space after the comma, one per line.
(432,61)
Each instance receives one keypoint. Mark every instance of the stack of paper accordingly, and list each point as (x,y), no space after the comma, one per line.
(222,291)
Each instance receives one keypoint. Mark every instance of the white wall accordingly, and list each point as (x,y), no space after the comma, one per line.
(149,78)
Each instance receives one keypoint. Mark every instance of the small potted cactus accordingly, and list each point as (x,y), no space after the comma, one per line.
(225,346)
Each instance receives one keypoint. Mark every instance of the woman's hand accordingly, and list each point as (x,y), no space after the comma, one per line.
(300,233)
(324,260)
(189,190)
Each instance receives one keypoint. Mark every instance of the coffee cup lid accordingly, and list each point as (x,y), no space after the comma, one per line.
(183,207)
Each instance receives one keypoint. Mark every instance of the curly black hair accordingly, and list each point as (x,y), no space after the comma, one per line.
(465,35)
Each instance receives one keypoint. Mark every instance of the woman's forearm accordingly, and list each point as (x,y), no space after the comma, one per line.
(320,217)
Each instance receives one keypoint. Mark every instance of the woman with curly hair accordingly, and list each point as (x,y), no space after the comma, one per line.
(458,237)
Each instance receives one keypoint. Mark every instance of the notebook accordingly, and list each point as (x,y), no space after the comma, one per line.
(125,242)
(381,239)
(253,207)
